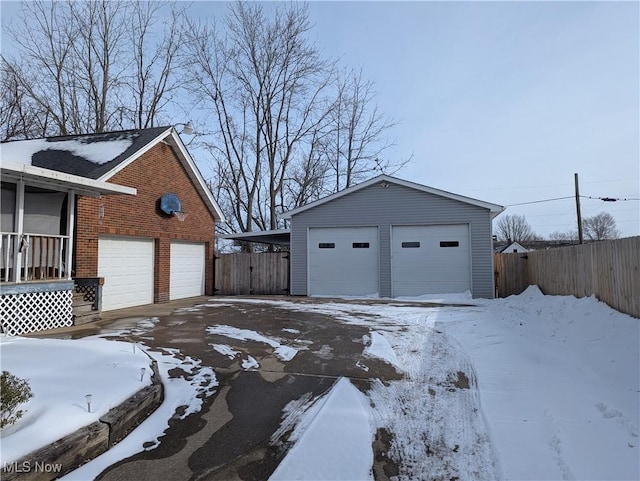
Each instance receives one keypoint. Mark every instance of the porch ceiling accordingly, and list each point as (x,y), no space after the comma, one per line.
(54,180)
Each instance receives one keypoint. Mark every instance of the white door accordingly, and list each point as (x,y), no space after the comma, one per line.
(343,261)
(187,270)
(430,259)
(127,267)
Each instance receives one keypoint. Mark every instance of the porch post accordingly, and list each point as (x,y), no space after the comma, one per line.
(19,229)
(71,210)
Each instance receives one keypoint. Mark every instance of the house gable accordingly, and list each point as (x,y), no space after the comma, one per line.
(154,173)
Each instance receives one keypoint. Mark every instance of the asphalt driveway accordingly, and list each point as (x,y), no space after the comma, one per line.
(231,437)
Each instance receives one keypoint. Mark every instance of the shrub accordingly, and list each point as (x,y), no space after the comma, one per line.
(13,392)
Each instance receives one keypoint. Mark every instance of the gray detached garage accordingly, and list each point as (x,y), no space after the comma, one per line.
(389,237)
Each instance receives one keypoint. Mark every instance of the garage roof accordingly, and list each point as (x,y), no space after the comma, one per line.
(277,237)
(495,209)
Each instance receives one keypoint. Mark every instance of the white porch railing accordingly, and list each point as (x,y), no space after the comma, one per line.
(33,257)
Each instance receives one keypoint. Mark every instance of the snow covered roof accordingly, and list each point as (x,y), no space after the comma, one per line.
(495,209)
(88,155)
(100,156)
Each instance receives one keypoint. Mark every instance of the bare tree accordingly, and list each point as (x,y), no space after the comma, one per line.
(356,140)
(264,82)
(570,235)
(19,117)
(90,66)
(286,128)
(601,226)
(514,228)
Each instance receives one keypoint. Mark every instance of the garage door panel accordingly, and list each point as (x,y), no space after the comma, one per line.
(187,270)
(343,261)
(126,264)
(430,260)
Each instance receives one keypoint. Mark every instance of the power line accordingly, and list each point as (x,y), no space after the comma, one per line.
(604,199)
(540,201)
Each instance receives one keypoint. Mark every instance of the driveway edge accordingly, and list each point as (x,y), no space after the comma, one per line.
(70,452)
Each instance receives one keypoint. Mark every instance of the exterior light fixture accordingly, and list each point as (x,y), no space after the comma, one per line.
(88,399)
(187,128)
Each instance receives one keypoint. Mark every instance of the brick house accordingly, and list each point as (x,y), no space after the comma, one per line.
(154,246)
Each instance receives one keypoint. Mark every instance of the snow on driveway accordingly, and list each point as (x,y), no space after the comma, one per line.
(528,387)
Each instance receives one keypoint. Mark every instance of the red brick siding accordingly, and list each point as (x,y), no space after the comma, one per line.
(155,173)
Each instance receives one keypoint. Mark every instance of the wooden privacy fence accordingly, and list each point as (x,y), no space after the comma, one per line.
(243,273)
(610,270)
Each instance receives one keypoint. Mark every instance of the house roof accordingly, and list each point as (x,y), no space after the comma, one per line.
(506,248)
(54,180)
(495,209)
(100,156)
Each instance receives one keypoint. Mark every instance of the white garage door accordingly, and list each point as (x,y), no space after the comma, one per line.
(430,259)
(187,270)
(127,267)
(343,261)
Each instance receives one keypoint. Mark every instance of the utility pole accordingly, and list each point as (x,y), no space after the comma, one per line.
(580,237)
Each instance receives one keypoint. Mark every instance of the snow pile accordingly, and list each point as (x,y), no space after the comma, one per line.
(559,382)
(61,373)
(337,421)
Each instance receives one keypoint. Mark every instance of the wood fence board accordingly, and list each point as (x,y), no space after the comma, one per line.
(252,273)
(610,270)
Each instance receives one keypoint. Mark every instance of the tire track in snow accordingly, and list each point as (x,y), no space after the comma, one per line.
(434,417)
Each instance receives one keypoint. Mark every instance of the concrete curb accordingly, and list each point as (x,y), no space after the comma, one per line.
(72,451)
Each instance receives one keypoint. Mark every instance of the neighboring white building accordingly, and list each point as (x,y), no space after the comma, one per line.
(513,247)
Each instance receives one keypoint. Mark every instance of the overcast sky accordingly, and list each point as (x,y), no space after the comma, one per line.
(505,101)
(502,101)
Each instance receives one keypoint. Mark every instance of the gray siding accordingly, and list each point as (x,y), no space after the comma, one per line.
(395,205)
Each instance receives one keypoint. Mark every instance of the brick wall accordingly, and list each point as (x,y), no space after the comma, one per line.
(155,173)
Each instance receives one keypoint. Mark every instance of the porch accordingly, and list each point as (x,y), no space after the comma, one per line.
(36,246)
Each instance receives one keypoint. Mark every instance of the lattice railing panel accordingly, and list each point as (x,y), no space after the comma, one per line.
(35,311)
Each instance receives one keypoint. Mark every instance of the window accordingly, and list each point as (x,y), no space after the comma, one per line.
(327,245)
(360,245)
(449,244)
(406,245)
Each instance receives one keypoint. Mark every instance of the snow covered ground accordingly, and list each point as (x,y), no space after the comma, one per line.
(528,387)
(61,373)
